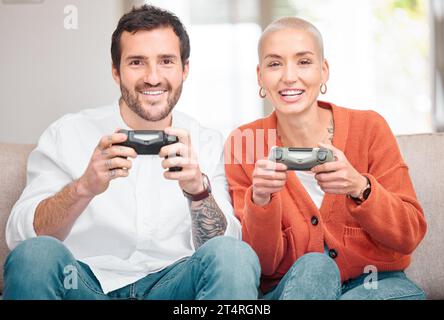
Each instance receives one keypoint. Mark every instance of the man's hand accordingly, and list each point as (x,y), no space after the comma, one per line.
(207,219)
(181,154)
(268,177)
(56,215)
(108,162)
(339,177)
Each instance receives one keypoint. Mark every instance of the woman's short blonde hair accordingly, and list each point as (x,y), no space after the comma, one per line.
(293,23)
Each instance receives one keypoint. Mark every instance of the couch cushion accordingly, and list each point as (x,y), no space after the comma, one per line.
(424,154)
(13,159)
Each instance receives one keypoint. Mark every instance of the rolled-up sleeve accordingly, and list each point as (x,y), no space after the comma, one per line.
(45,177)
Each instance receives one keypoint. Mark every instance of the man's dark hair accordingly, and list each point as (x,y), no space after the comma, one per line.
(148,18)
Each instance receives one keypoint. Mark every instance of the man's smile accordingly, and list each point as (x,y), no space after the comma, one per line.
(156,92)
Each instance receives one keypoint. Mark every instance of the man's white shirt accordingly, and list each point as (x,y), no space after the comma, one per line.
(140,224)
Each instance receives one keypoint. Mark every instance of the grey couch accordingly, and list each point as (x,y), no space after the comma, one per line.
(424,154)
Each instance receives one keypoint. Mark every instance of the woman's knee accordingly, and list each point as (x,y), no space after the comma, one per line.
(312,276)
(385,286)
(315,266)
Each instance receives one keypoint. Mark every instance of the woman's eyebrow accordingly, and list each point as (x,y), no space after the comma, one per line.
(303,53)
(298,54)
(273,56)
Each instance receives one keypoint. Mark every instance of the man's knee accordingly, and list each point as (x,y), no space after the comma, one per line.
(224,248)
(230,253)
(37,253)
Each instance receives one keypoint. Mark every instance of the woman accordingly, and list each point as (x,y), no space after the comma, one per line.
(346,229)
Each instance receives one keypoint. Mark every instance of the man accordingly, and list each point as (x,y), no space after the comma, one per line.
(117,224)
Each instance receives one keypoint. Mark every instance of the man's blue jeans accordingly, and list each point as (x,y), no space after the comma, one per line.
(316,276)
(222,268)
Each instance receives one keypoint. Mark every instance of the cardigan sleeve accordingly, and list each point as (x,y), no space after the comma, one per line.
(261,225)
(392,214)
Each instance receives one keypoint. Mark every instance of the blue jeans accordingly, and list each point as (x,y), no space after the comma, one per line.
(222,268)
(315,276)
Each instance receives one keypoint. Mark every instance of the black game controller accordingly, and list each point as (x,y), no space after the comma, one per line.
(148,142)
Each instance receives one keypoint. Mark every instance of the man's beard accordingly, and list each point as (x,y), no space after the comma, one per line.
(134,104)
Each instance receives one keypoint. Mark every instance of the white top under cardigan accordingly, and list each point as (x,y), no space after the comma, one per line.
(141,223)
(313,189)
(311,186)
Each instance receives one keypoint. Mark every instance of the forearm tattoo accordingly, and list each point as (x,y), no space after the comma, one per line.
(207,220)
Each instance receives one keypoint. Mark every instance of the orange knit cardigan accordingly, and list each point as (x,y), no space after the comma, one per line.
(383,231)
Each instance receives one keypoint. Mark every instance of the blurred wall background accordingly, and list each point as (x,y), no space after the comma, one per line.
(383,55)
(47,70)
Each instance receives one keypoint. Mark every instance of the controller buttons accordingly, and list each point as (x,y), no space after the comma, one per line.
(172,139)
(278,154)
(322,155)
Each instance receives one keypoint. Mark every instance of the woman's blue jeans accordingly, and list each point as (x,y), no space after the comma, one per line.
(316,276)
(222,268)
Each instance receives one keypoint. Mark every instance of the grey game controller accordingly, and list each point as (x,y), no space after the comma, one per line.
(300,158)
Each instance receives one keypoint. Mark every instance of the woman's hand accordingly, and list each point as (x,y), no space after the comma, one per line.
(339,177)
(268,177)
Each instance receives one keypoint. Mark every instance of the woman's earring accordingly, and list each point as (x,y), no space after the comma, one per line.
(323,88)
(262,93)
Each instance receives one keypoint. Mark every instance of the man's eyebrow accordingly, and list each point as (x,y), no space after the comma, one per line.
(168,56)
(162,56)
(135,58)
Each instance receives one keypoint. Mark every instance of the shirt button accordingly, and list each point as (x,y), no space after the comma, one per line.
(314,220)
(333,253)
